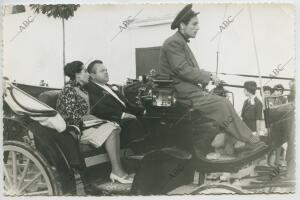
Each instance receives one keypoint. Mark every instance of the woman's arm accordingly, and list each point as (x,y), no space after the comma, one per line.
(66,106)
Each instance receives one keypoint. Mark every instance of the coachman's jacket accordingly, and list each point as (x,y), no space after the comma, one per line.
(177,60)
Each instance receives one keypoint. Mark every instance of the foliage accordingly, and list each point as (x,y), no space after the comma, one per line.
(63,11)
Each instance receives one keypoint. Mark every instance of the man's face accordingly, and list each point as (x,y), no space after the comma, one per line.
(100,74)
(190,30)
(267,93)
(277,93)
(246,92)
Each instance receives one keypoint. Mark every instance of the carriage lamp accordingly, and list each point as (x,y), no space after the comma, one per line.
(163,97)
(140,78)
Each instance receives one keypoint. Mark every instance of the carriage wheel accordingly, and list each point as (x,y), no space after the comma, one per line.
(217,189)
(26,172)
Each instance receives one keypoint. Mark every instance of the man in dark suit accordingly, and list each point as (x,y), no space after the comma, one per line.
(177,60)
(108,103)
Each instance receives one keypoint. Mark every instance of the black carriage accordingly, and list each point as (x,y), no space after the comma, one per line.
(186,129)
(36,162)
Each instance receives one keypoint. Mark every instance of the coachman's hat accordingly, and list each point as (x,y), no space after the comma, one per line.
(185,14)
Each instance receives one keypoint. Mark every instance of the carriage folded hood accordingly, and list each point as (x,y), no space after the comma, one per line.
(24,104)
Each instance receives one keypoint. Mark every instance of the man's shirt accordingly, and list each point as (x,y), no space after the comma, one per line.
(110,91)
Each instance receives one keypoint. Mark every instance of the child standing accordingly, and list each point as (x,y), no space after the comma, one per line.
(277,93)
(252,108)
(278,100)
(267,90)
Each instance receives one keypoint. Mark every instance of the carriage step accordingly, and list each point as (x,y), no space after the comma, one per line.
(218,156)
(110,188)
(135,157)
(259,185)
(269,173)
(261,168)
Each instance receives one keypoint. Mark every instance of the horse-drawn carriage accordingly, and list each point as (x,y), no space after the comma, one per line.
(35,162)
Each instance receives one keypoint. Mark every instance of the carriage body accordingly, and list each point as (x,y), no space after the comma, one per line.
(192,132)
(170,123)
(23,147)
(62,169)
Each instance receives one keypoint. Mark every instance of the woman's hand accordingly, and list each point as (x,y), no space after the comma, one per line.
(128,116)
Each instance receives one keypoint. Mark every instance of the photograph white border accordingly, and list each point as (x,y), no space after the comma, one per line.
(238,197)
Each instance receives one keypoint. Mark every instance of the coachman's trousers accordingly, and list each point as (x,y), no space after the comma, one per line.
(223,113)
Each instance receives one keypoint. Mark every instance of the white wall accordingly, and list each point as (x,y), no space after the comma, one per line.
(36,53)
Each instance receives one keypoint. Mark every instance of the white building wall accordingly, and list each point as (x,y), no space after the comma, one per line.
(36,53)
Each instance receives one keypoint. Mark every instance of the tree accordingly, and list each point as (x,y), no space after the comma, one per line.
(63,11)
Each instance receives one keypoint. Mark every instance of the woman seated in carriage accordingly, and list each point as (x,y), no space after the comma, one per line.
(73,105)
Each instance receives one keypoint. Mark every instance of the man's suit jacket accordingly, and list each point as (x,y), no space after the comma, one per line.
(106,106)
(177,60)
(103,104)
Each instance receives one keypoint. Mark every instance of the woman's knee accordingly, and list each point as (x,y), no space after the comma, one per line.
(115,133)
(116,128)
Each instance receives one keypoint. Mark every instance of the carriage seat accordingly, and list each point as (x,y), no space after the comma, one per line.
(50,97)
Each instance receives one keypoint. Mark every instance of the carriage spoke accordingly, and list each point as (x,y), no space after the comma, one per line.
(14,166)
(37,193)
(7,176)
(32,181)
(23,174)
(23,171)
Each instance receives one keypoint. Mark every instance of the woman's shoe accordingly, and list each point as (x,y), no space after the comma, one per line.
(124,179)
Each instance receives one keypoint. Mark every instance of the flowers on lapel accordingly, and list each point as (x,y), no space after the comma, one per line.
(114,88)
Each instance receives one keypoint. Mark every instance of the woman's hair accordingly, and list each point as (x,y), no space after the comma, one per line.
(267,88)
(72,68)
(250,86)
(278,87)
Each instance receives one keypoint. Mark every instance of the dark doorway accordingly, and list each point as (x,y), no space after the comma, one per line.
(146,59)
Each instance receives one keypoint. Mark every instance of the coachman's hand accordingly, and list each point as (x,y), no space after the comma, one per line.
(215,80)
